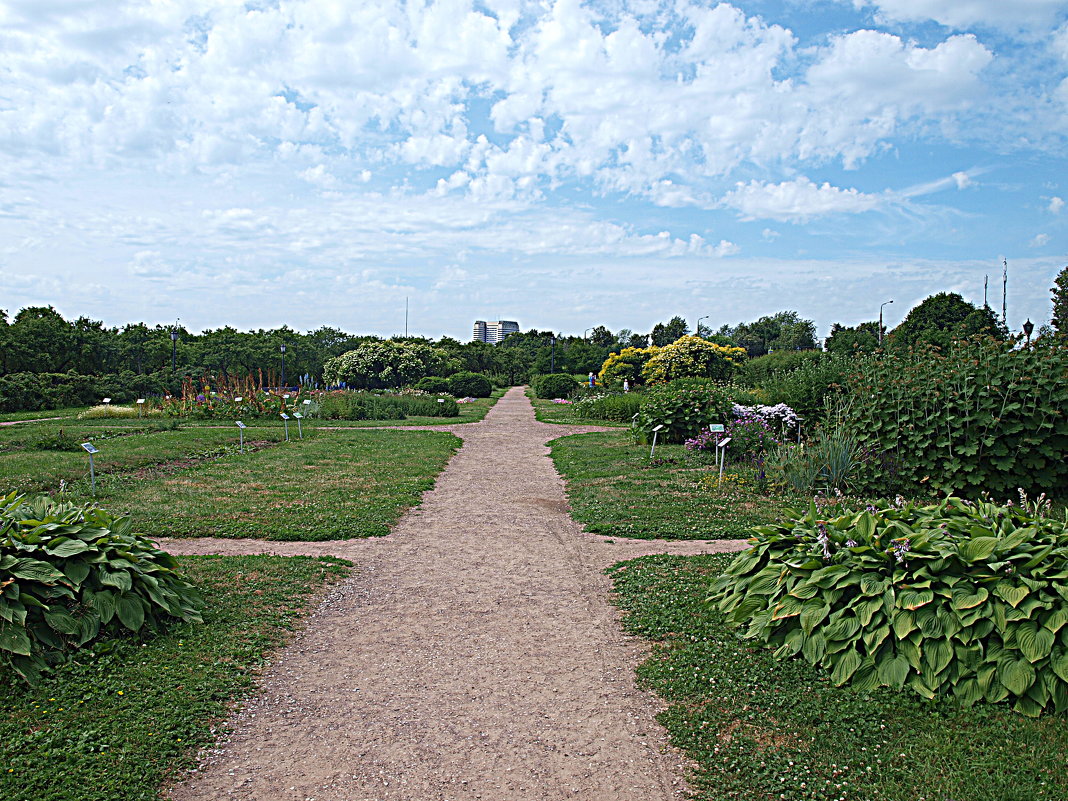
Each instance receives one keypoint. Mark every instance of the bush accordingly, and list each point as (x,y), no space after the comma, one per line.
(555,385)
(756,371)
(692,357)
(75,574)
(683,412)
(384,365)
(982,416)
(626,365)
(470,385)
(429,407)
(956,598)
(433,384)
(809,389)
(620,408)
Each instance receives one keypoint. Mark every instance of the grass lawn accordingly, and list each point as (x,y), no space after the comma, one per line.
(614,489)
(26,468)
(334,485)
(761,728)
(119,724)
(469,413)
(6,417)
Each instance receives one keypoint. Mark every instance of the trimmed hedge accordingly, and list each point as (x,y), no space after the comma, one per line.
(555,385)
(470,385)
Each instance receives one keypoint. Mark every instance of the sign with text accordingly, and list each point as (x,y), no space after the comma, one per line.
(90,447)
(716,428)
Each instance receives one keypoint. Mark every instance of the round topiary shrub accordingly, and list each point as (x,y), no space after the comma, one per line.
(960,598)
(554,385)
(73,574)
(433,384)
(470,385)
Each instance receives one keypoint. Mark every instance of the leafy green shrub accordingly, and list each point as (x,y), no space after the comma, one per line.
(692,357)
(620,408)
(470,385)
(961,598)
(682,410)
(980,417)
(810,388)
(74,574)
(555,385)
(415,406)
(756,371)
(432,384)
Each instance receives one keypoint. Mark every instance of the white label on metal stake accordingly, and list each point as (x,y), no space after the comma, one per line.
(723,444)
(298,415)
(107,400)
(140,400)
(657,428)
(90,447)
(284,416)
(241,425)
(238,399)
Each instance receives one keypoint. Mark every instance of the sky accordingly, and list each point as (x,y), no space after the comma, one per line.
(558,163)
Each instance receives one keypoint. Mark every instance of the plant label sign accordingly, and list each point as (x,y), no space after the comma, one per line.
(90,447)
(284,416)
(658,427)
(140,400)
(441,400)
(107,400)
(716,428)
(298,415)
(241,425)
(238,399)
(723,444)
(286,396)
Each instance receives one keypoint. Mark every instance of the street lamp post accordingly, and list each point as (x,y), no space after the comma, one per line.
(1028,328)
(697,330)
(585,332)
(283,349)
(174,349)
(552,357)
(881,322)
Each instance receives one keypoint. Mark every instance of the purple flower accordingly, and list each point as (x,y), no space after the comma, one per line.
(823,539)
(900,548)
(851,543)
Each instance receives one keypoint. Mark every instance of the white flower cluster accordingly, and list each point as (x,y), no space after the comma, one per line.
(780,415)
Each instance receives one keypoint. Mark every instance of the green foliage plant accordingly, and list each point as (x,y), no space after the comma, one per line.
(692,357)
(432,384)
(73,574)
(809,387)
(555,385)
(956,598)
(754,372)
(384,365)
(831,460)
(617,407)
(682,410)
(982,416)
(470,385)
(1060,302)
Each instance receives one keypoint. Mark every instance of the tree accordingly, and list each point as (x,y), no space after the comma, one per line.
(1060,302)
(942,318)
(784,330)
(666,333)
(845,341)
(602,337)
(380,365)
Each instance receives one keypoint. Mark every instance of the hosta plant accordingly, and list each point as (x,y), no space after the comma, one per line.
(70,575)
(961,598)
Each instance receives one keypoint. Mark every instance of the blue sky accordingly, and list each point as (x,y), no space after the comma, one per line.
(563,164)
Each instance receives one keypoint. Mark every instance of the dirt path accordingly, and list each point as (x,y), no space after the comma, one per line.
(474,655)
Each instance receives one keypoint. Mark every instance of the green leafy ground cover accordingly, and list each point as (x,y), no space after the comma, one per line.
(337,485)
(762,728)
(545,411)
(120,723)
(614,489)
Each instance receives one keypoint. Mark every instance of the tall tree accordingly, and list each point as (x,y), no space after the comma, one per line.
(666,333)
(784,330)
(942,318)
(844,340)
(1060,302)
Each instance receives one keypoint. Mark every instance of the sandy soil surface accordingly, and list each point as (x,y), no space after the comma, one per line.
(473,655)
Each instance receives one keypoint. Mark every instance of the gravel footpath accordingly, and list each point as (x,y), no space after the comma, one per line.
(473,655)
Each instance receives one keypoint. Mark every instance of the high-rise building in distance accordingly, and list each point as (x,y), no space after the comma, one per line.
(494,331)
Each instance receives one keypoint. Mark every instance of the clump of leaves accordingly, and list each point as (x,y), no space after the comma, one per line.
(682,409)
(70,575)
(961,598)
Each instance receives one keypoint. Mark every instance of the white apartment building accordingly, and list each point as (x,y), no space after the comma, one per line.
(494,331)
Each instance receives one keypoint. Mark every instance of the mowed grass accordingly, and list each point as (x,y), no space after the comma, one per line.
(761,728)
(615,489)
(335,485)
(117,725)
(25,468)
(71,411)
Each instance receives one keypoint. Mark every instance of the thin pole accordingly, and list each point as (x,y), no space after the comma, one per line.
(92,473)
(405,317)
(1004,291)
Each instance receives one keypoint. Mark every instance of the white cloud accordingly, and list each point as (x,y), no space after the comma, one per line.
(1039,240)
(796,201)
(962,14)
(1056,204)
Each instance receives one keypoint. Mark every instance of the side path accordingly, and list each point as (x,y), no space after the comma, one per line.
(474,655)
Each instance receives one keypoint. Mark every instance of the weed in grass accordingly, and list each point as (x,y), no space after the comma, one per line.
(759,727)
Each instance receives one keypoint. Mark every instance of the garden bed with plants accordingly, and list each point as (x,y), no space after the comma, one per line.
(758,726)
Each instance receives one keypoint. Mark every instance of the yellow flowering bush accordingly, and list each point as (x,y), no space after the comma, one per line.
(627,364)
(692,357)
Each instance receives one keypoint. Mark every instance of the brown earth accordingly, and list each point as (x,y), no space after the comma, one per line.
(473,655)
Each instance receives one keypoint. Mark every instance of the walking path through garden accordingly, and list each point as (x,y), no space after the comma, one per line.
(472,655)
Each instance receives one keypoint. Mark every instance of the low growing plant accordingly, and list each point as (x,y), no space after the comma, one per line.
(961,598)
(71,575)
(682,412)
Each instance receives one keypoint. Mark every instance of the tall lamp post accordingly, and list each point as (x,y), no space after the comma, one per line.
(585,332)
(283,349)
(881,322)
(552,357)
(1028,328)
(697,330)
(174,349)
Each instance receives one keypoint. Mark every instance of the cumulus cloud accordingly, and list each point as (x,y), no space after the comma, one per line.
(796,201)
(1039,240)
(1056,204)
